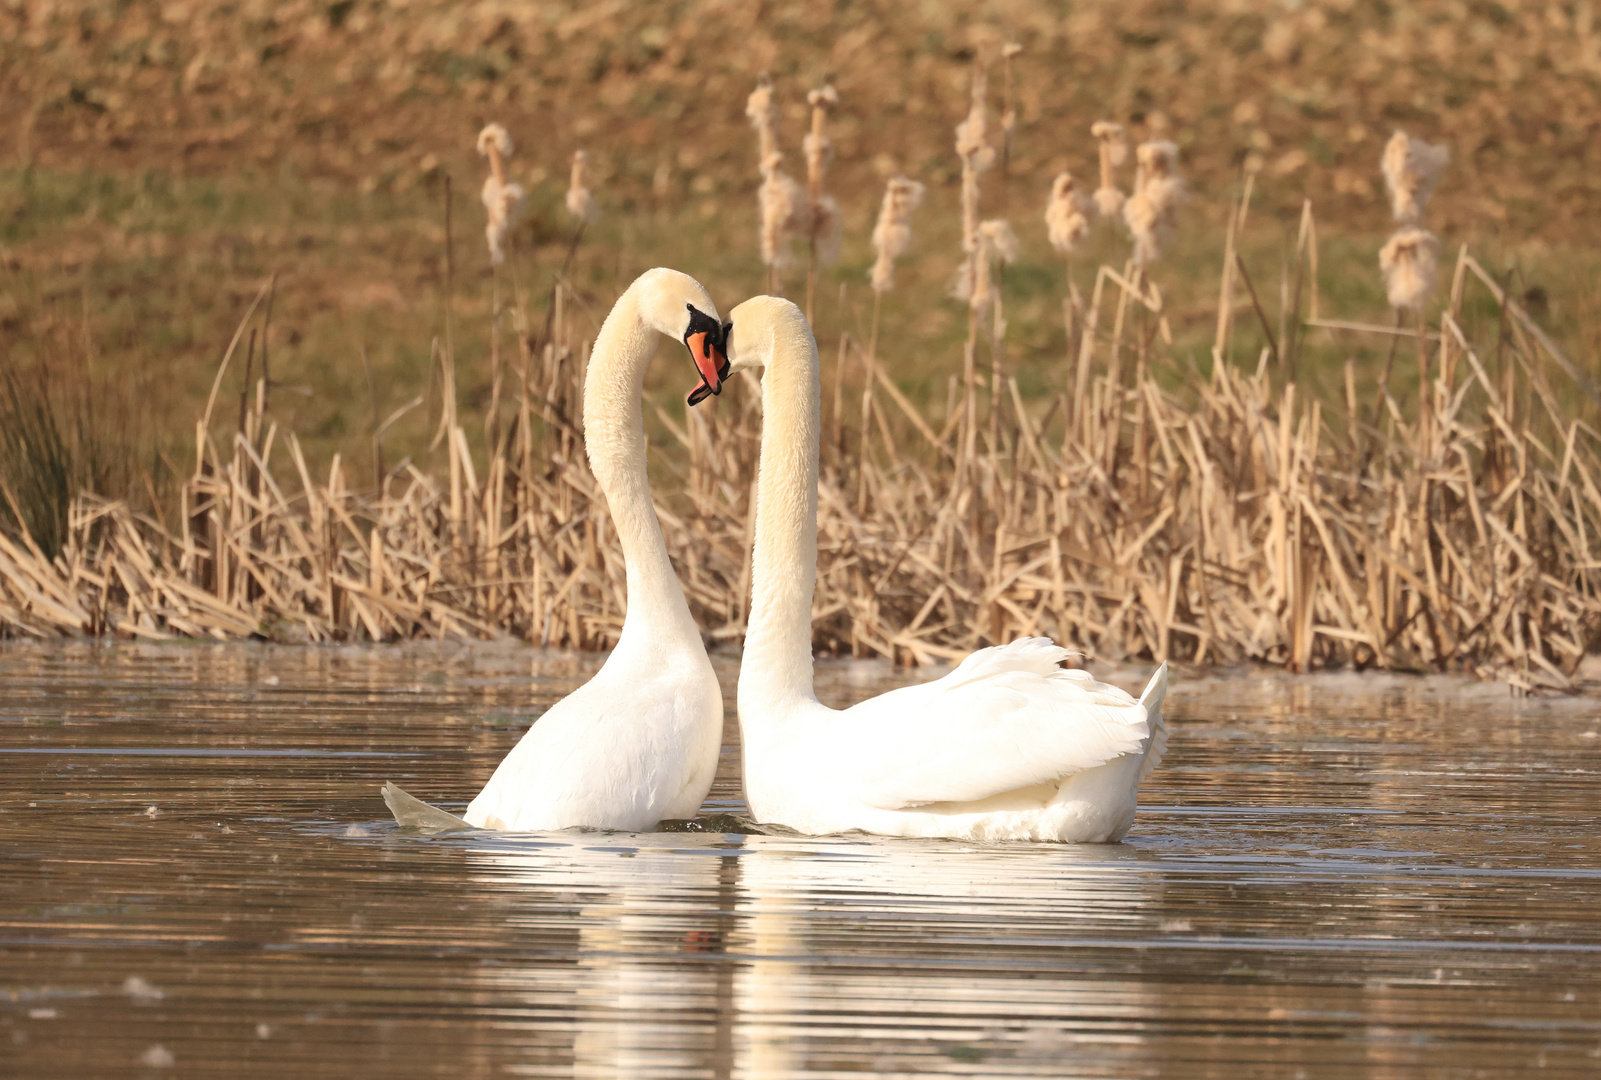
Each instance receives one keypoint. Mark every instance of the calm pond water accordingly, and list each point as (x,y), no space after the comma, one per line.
(1338,876)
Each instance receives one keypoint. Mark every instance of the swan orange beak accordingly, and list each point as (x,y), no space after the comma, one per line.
(707,340)
(707,353)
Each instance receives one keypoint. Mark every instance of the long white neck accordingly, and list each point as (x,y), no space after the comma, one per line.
(777,667)
(614,438)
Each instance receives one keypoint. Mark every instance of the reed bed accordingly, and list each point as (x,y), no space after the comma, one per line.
(1143,508)
(1223,519)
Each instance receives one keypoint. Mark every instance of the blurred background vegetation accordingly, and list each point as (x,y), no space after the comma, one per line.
(158,161)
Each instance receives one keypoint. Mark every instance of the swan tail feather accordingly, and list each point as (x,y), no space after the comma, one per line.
(412,813)
(1155,693)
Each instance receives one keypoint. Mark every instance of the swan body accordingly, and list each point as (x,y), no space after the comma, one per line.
(1007,746)
(638,743)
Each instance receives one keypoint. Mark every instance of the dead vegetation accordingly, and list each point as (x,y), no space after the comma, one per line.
(1228,518)
(1148,504)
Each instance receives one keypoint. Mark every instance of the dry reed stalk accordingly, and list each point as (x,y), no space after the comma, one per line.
(997,246)
(502,201)
(1409,260)
(785,210)
(1113,149)
(823,221)
(892,233)
(580,202)
(977,156)
(1225,300)
(892,236)
(1068,213)
(1009,52)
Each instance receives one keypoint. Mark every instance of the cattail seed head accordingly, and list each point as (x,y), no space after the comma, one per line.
(1410,261)
(785,211)
(892,235)
(824,97)
(495,138)
(1113,152)
(763,113)
(1411,169)
(998,240)
(1158,191)
(785,206)
(580,203)
(997,243)
(1068,214)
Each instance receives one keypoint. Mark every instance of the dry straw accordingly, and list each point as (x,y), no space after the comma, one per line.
(1209,518)
(1258,527)
(503,201)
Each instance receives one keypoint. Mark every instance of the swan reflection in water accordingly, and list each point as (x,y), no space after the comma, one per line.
(769,956)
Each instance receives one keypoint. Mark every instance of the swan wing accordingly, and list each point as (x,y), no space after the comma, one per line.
(620,748)
(1006,718)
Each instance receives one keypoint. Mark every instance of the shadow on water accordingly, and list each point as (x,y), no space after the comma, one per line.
(1336,876)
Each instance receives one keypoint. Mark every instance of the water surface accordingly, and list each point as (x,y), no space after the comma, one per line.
(1329,877)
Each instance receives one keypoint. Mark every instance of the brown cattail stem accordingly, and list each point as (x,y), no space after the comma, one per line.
(869,380)
(1425,393)
(817,148)
(497,167)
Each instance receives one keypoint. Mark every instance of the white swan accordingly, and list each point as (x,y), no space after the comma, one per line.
(1008,746)
(639,742)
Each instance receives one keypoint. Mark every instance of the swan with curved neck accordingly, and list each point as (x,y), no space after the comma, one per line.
(1008,746)
(638,743)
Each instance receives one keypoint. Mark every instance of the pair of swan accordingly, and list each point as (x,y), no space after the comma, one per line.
(1007,746)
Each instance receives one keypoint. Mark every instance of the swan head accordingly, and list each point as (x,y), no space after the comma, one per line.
(677,305)
(758,319)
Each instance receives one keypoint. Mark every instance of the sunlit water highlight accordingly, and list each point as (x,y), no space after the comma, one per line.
(1335,876)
